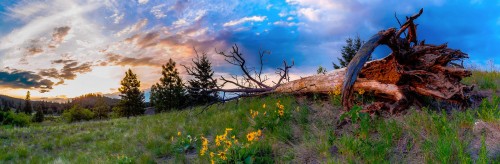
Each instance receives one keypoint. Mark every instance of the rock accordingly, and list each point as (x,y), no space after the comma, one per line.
(491,131)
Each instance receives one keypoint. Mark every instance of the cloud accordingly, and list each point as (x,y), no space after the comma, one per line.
(58,36)
(157,11)
(34,47)
(116,59)
(142,1)
(244,20)
(18,79)
(133,28)
(69,70)
(117,17)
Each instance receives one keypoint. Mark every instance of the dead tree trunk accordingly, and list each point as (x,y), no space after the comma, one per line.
(409,72)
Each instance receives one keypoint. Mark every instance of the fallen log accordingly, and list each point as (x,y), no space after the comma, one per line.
(410,72)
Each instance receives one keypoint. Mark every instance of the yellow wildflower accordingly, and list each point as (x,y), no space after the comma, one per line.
(228,144)
(263,105)
(254,114)
(259,132)
(361,91)
(336,91)
(172,138)
(250,136)
(212,154)
(281,112)
(212,161)
(178,133)
(222,155)
(204,144)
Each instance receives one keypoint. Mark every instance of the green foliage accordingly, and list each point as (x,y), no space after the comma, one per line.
(77,113)
(321,70)
(484,80)
(185,143)
(483,152)
(349,51)
(169,93)
(38,117)
(101,109)
(489,110)
(271,117)
(11,118)
(132,98)
(199,89)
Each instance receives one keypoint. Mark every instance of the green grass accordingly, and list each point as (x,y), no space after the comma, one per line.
(484,80)
(305,133)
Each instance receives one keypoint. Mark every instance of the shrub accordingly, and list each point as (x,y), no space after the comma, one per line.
(11,118)
(77,113)
(38,117)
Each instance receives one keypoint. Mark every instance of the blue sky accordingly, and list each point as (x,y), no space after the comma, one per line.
(65,48)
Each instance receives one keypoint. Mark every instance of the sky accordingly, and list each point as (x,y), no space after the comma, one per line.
(60,49)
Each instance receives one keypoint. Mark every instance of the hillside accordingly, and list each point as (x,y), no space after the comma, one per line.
(87,101)
(305,132)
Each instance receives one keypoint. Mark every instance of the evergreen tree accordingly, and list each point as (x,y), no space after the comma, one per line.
(132,99)
(38,117)
(200,88)
(169,93)
(19,107)
(28,109)
(101,108)
(349,51)
(5,107)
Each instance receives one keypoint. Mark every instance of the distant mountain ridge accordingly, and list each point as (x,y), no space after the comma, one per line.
(86,101)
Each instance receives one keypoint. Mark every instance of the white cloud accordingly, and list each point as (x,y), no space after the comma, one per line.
(143,1)
(133,28)
(310,13)
(157,12)
(244,20)
(40,25)
(284,23)
(117,17)
(180,22)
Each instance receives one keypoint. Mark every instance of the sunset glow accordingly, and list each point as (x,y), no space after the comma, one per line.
(65,48)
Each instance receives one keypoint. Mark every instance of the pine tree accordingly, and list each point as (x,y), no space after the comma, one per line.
(200,88)
(132,98)
(28,109)
(169,93)
(5,107)
(349,51)
(38,117)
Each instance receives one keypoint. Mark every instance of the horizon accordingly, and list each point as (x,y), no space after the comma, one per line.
(62,49)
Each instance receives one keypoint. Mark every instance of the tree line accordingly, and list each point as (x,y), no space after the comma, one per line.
(170,92)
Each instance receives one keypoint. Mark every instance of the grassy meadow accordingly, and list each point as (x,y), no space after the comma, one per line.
(271,129)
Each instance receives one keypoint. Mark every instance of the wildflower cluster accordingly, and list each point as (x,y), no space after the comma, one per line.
(281,108)
(227,148)
(204,146)
(254,136)
(254,113)
(336,91)
(335,95)
(183,143)
(270,117)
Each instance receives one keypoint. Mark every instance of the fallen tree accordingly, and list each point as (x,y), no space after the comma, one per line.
(413,70)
